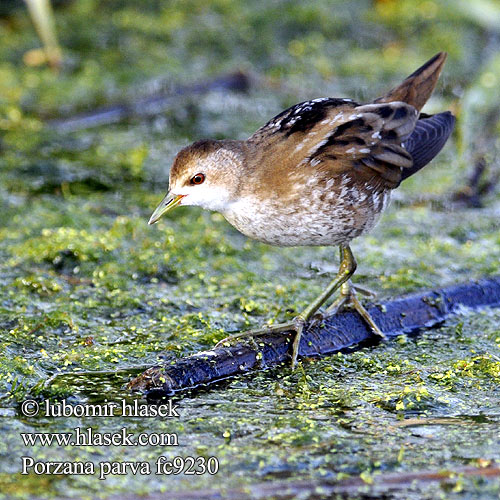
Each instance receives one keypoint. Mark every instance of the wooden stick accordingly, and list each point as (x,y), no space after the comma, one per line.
(344,330)
(150,105)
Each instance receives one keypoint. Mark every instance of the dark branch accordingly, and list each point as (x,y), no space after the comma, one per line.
(403,315)
(150,105)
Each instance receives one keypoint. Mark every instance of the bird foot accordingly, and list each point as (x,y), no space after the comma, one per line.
(348,299)
(370,294)
(296,325)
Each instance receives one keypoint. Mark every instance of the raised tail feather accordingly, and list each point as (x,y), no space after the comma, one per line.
(431,132)
(417,88)
(427,139)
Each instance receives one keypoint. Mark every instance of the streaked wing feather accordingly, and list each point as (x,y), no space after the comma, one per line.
(381,143)
(301,118)
(371,137)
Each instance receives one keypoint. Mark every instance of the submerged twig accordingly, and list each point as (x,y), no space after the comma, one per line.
(415,422)
(95,373)
(338,332)
(150,105)
(478,185)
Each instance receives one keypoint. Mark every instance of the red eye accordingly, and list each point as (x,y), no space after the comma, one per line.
(197,179)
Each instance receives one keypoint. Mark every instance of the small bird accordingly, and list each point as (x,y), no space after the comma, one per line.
(319,173)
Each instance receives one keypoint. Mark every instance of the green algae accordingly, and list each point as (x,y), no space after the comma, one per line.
(92,294)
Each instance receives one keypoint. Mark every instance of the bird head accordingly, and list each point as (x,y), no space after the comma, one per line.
(205,174)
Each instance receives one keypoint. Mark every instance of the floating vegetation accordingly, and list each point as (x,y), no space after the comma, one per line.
(90,292)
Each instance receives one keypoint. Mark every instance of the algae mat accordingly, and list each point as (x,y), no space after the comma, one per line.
(88,289)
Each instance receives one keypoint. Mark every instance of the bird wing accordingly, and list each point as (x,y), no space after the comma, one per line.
(384,142)
(338,135)
(370,139)
(301,119)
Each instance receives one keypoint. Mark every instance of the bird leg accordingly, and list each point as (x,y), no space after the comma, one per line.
(346,270)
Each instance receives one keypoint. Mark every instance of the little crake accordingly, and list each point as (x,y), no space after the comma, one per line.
(319,173)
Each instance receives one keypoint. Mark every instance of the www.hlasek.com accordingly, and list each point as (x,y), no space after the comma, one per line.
(79,436)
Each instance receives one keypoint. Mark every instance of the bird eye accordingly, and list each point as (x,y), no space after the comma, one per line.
(197,179)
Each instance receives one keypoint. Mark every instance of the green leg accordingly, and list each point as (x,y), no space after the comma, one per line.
(346,270)
(348,297)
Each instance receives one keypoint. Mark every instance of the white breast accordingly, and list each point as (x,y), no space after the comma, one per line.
(310,222)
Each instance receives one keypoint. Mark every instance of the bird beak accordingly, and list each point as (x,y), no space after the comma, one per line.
(170,201)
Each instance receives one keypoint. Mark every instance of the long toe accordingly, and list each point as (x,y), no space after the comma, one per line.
(366,316)
(296,325)
(365,291)
(349,299)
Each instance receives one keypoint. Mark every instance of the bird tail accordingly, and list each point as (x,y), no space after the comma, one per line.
(431,131)
(418,87)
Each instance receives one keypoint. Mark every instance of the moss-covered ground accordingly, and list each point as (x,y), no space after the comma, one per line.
(89,290)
